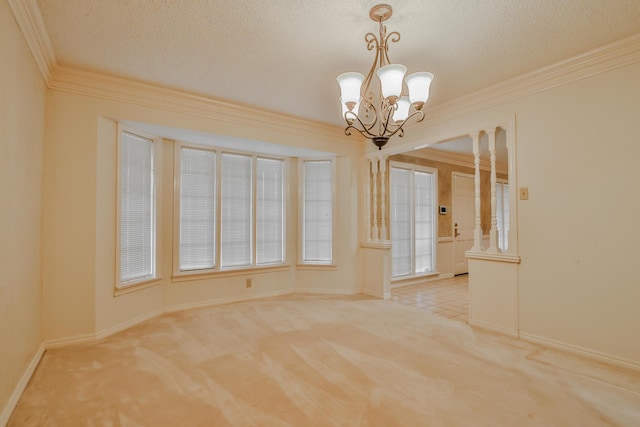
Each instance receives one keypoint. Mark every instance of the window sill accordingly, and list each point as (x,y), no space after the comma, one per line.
(383,244)
(190,276)
(136,286)
(325,267)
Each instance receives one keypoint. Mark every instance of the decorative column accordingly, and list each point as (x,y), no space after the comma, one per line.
(367,199)
(383,197)
(374,173)
(493,233)
(477,231)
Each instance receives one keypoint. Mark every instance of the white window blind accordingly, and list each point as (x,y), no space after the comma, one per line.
(502,194)
(317,212)
(236,216)
(137,208)
(197,209)
(424,222)
(401,222)
(413,215)
(269,211)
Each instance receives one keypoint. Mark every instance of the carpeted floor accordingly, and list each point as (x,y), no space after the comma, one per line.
(321,361)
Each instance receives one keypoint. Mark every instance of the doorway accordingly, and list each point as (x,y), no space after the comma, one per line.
(463,196)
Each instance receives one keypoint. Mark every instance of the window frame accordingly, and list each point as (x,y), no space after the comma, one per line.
(127,286)
(179,275)
(302,264)
(503,220)
(434,241)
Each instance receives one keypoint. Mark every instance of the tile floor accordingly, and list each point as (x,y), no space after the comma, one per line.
(447,298)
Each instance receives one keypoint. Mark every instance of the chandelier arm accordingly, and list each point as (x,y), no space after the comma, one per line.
(367,113)
(365,131)
(372,43)
(414,114)
(362,132)
(394,37)
(386,122)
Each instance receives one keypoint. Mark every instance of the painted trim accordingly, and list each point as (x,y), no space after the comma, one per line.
(500,257)
(148,95)
(433,277)
(70,341)
(376,245)
(227,300)
(325,291)
(492,328)
(6,413)
(27,13)
(317,267)
(445,239)
(597,61)
(216,274)
(127,324)
(385,296)
(29,19)
(91,338)
(582,351)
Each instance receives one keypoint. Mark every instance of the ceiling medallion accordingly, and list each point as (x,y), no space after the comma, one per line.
(385,112)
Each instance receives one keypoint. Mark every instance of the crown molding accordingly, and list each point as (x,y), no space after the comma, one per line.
(148,95)
(27,13)
(597,61)
(29,19)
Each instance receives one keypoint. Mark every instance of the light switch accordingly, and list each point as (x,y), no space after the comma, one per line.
(524,193)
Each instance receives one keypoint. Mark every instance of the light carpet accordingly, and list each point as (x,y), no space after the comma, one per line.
(321,361)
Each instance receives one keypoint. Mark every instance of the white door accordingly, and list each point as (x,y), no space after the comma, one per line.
(463,219)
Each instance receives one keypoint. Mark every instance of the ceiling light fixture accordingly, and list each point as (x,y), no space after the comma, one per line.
(386,112)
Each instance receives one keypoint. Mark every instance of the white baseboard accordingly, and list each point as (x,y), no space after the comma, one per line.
(421,279)
(592,354)
(324,291)
(91,338)
(66,342)
(228,300)
(126,325)
(504,331)
(375,294)
(22,384)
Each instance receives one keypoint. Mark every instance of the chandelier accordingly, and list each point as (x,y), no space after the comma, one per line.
(384,113)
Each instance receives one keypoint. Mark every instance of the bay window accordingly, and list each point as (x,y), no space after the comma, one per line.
(231,210)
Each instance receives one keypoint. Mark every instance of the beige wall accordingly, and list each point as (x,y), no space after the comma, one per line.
(578,147)
(80,227)
(576,284)
(22,121)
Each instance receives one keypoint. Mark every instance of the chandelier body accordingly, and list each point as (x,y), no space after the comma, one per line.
(385,112)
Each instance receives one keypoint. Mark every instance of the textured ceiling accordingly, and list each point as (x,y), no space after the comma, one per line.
(283,55)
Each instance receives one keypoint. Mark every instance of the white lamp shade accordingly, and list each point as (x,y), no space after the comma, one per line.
(402,109)
(418,84)
(350,84)
(391,77)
